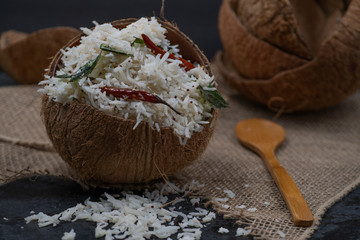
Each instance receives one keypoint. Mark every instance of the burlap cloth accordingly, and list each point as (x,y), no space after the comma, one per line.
(321,153)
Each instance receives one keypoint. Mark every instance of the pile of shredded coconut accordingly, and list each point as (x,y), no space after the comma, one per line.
(131,216)
(140,70)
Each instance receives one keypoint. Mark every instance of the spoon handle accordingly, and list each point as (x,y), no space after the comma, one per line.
(296,203)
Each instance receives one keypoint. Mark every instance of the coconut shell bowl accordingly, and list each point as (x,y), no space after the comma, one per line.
(104,149)
(291,55)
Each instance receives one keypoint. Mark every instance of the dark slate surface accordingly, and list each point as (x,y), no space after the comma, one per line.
(52,195)
(197,19)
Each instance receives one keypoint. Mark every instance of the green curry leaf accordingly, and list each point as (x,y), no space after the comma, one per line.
(113,50)
(84,71)
(213,97)
(138,41)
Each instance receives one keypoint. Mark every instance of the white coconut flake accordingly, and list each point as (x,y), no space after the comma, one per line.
(43,219)
(157,127)
(69,235)
(240,206)
(141,71)
(252,210)
(195,201)
(200,212)
(223,230)
(194,222)
(242,232)
(229,193)
(281,233)
(209,217)
(189,235)
(225,206)
(222,199)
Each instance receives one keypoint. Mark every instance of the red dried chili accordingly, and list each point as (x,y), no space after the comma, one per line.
(133,94)
(157,50)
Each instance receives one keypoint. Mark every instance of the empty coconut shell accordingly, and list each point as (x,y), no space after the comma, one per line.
(24,57)
(104,149)
(289,54)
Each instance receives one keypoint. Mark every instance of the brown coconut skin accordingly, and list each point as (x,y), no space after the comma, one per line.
(104,149)
(24,57)
(284,79)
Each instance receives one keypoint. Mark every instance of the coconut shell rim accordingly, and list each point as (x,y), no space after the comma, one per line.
(22,70)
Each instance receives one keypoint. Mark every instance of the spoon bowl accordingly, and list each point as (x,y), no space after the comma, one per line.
(260,135)
(263,137)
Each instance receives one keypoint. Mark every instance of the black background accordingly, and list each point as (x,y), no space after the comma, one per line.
(197,19)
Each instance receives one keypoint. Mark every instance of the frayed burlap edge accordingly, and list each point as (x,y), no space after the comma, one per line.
(33,145)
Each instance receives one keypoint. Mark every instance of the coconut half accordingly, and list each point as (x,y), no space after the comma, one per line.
(104,149)
(291,55)
(24,57)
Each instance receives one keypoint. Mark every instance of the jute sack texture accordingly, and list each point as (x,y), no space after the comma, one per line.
(321,153)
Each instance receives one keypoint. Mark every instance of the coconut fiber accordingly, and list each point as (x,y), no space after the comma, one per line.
(321,153)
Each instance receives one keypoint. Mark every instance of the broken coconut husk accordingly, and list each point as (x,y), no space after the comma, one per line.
(291,55)
(104,149)
(24,57)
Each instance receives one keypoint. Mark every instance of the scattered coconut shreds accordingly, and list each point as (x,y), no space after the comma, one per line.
(201,212)
(195,201)
(281,233)
(130,216)
(223,230)
(252,210)
(69,235)
(266,203)
(225,206)
(242,232)
(221,199)
(240,206)
(229,193)
(209,217)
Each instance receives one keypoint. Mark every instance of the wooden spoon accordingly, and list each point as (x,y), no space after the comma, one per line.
(263,137)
